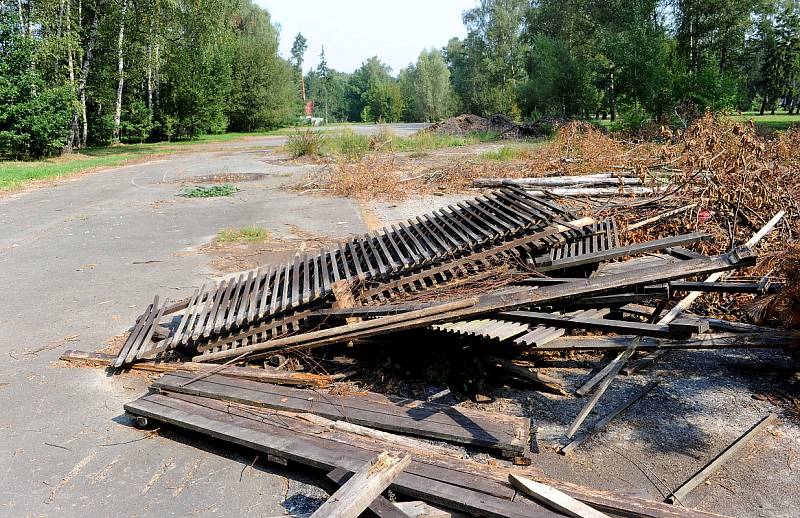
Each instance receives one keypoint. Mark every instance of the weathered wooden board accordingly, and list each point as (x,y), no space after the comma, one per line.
(434,475)
(260,374)
(299,439)
(407,416)
(366,484)
(380,507)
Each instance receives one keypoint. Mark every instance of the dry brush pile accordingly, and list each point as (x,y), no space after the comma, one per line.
(719,176)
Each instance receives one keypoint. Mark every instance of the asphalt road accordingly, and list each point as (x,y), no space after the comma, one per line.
(79,260)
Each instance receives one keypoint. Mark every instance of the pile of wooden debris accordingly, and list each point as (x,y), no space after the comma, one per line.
(510,275)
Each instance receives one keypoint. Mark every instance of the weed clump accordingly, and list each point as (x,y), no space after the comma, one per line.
(200,191)
(306,143)
(250,234)
(350,145)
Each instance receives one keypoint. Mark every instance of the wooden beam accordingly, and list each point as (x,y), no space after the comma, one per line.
(436,475)
(599,425)
(260,374)
(682,330)
(379,507)
(774,340)
(419,509)
(680,494)
(613,369)
(361,489)
(624,251)
(554,498)
(420,418)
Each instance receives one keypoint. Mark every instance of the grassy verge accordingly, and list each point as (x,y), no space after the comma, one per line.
(512,152)
(353,146)
(243,235)
(14,174)
(777,122)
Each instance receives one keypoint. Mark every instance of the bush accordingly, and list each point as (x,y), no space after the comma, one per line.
(306,143)
(632,120)
(34,118)
(37,127)
(137,122)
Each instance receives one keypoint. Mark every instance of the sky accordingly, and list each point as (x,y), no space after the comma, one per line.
(354,30)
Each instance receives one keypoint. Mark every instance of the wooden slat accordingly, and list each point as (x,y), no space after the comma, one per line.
(503,301)
(401,415)
(363,487)
(554,498)
(434,475)
(380,506)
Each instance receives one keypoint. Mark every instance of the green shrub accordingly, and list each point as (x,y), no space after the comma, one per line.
(632,120)
(34,118)
(137,122)
(306,143)
(350,144)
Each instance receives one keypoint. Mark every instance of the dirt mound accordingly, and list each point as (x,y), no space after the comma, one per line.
(460,125)
(467,123)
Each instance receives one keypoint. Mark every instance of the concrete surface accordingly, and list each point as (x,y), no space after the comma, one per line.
(78,262)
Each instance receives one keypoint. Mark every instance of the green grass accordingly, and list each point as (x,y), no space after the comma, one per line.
(211,191)
(14,174)
(243,235)
(353,146)
(510,153)
(778,122)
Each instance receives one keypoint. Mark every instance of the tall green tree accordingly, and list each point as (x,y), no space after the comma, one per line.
(298,52)
(488,65)
(432,91)
(262,96)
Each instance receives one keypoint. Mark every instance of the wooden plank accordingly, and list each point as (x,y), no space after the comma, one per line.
(436,475)
(133,335)
(380,506)
(607,325)
(316,444)
(418,509)
(680,494)
(418,418)
(554,498)
(599,425)
(624,251)
(147,332)
(363,487)
(493,302)
(260,374)
(774,340)
(601,388)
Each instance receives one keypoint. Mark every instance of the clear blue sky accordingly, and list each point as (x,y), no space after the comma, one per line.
(353,30)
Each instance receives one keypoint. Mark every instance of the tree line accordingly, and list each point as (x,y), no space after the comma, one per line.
(94,72)
(76,73)
(642,59)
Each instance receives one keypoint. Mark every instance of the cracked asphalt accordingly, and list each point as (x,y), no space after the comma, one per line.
(79,260)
